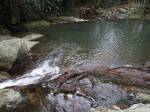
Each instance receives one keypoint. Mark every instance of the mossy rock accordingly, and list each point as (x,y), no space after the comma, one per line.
(10,98)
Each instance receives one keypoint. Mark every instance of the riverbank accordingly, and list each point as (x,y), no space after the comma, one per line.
(83,13)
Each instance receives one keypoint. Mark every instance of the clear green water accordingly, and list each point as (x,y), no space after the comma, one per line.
(119,42)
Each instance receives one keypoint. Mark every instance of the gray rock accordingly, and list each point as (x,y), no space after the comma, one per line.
(9,48)
(122,16)
(107,110)
(5,37)
(4,76)
(9,98)
(143,97)
(102,94)
(108,94)
(135,108)
(67,103)
(121,10)
(31,37)
(139,108)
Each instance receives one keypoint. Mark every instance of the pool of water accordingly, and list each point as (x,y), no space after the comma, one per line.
(117,42)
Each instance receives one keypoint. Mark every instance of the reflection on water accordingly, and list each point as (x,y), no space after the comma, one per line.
(123,41)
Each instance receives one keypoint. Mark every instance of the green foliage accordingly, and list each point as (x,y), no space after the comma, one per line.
(35,9)
(16,11)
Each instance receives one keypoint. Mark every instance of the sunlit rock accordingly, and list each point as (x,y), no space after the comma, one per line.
(143,96)
(139,108)
(9,48)
(10,98)
(32,37)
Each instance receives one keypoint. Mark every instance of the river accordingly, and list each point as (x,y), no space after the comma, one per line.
(111,43)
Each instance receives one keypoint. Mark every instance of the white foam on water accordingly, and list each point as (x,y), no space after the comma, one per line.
(33,77)
(69,95)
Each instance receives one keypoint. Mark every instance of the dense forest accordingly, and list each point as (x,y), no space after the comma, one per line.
(16,11)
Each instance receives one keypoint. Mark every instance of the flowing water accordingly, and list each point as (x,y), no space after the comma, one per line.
(112,43)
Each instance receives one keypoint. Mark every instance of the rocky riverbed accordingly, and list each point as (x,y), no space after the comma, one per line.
(78,75)
(77,93)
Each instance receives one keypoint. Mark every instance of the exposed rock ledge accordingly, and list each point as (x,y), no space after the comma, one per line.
(9,47)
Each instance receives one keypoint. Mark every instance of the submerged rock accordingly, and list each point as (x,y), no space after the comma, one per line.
(9,98)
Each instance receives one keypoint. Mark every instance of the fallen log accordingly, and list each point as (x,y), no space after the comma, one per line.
(130,76)
(124,75)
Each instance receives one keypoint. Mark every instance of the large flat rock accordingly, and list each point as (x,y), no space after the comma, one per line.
(9,47)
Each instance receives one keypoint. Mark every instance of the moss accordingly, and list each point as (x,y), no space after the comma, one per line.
(132,14)
(36,24)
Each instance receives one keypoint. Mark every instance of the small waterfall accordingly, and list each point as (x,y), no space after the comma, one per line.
(45,70)
(33,77)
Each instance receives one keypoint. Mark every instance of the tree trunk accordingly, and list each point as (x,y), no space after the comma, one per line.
(122,75)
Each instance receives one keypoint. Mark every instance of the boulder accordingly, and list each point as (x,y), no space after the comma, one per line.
(9,98)
(9,48)
(67,103)
(103,94)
